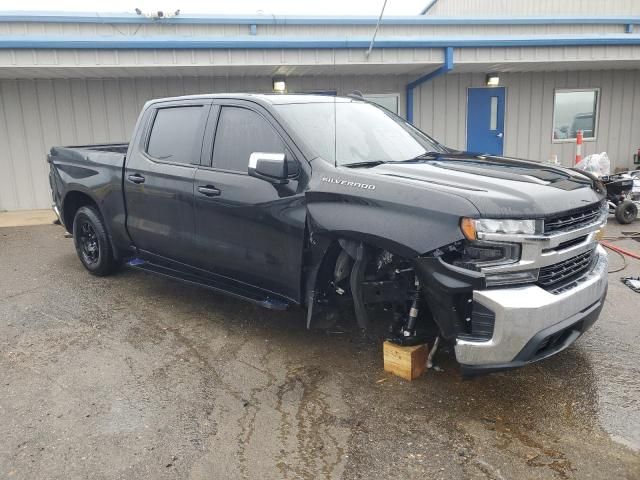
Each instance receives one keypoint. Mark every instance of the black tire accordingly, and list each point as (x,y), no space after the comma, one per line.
(92,242)
(626,212)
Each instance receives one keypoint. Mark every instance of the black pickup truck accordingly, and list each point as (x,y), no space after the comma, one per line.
(300,200)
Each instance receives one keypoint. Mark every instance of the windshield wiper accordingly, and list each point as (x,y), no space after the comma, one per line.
(370,163)
(373,163)
(422,156)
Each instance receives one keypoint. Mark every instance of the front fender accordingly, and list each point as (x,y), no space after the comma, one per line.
(404,218)
(406,230)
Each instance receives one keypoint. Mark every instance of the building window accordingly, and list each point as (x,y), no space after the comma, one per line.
(390,101)
(575,110)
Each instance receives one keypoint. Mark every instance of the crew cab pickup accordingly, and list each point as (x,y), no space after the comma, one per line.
(316,201)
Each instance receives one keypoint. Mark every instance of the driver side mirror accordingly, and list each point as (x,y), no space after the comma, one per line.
(272,167)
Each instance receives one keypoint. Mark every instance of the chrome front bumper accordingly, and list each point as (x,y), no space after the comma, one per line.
(528,314)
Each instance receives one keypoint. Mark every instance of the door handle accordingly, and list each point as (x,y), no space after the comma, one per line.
(500,135)
(209,191)
(136,178)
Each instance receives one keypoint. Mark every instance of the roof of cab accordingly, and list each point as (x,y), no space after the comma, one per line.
(273,99)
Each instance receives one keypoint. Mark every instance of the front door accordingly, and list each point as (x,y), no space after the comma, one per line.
(247,228)
(485,120)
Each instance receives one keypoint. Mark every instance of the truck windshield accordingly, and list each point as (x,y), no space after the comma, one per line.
(353,132)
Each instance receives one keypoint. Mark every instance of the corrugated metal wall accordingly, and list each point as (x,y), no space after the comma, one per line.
(503,8)
(441,110)
(38,114)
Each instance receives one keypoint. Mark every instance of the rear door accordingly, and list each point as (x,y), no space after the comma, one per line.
(247,228)
(158,178)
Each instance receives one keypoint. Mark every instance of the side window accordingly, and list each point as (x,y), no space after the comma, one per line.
(176,134)
(241,132)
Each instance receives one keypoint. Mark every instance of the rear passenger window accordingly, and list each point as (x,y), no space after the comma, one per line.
(241,132)
(176,135)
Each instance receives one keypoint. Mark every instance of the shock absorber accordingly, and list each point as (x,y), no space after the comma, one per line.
(410,328)
(404,332)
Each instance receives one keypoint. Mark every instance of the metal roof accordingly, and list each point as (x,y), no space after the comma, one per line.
(288,42)
(91,45)
(132,18)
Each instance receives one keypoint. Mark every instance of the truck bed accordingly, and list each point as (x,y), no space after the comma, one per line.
(90,168)
(104,147)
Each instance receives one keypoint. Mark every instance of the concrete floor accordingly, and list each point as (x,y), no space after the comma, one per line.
(135,376)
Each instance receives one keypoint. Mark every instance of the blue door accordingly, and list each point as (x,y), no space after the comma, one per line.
(485,120)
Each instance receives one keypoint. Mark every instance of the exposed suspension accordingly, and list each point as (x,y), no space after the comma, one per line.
(404,331)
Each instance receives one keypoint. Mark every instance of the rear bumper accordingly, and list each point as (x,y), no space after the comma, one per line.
(532,324)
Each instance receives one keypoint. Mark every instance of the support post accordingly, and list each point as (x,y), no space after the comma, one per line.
(409,104)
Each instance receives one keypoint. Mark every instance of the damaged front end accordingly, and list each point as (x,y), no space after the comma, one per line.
(422,297)
(540,285)
(504,298)
(350,272)
(449,290)
(452,273)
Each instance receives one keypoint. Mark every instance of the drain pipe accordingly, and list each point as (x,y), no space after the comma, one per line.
(446,67)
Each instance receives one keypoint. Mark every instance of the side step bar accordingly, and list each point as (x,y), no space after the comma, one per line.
(221,285)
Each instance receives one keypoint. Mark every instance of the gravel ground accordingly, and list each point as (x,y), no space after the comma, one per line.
(136,376)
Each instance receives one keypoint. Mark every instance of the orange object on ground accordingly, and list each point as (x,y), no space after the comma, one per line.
(621,250)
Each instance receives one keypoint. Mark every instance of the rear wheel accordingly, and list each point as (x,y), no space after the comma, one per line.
(626,212)
(92,242)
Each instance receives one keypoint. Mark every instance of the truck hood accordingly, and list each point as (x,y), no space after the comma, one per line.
(497,186)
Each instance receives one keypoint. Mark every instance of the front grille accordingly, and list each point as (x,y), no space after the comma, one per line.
(573,219)
(571,243)
(554,276)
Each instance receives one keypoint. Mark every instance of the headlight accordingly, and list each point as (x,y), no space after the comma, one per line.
(477,255)
(480,254)
(471,227)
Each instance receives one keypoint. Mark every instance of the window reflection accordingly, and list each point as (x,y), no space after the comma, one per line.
(574,110)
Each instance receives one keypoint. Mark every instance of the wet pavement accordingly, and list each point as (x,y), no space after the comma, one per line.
(135,376)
